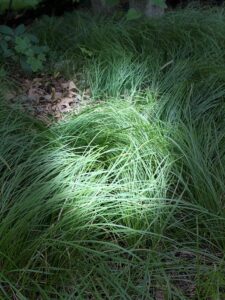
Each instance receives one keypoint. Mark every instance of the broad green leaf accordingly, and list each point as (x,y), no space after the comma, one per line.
(8,38)
(133,14)
(20,29)
(3,45)
(32,38)
(6,30)
(22,44)
(36,63)
(6,51)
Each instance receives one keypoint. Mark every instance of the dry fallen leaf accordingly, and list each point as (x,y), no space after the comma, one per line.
(72,86)
(65,105)
(52,97)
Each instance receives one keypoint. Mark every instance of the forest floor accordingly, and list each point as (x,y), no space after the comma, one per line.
(112,160)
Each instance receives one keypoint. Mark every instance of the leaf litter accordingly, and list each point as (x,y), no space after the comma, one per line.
(49,98)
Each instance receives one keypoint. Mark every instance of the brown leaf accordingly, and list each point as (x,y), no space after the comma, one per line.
(65,105)
(58,95)
(72,86)
(65,85)
(33,95)
(50,96)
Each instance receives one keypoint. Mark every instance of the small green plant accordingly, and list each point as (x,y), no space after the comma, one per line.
(22,47)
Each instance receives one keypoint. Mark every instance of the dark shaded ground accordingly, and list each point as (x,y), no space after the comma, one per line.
(46,7)
(58,8)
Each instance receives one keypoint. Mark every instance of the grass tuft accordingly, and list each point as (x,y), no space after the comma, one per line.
(126,199)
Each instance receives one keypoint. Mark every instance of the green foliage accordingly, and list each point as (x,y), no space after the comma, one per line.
(133,14)
(18,4)
(20,46)
(126,199)
(2,73)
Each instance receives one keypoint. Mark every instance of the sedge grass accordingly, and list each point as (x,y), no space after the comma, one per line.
(93,196)
(125,200)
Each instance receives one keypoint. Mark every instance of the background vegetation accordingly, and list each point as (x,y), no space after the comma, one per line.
(18,4)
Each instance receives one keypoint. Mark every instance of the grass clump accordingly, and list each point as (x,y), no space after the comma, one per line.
(126,199)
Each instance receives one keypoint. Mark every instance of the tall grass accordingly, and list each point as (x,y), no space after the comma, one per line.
(125,200)
(117,55)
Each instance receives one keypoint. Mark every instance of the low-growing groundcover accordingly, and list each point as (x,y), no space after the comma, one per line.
(18,4)
(126,199)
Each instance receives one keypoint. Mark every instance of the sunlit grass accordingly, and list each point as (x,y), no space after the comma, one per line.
(125,200)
